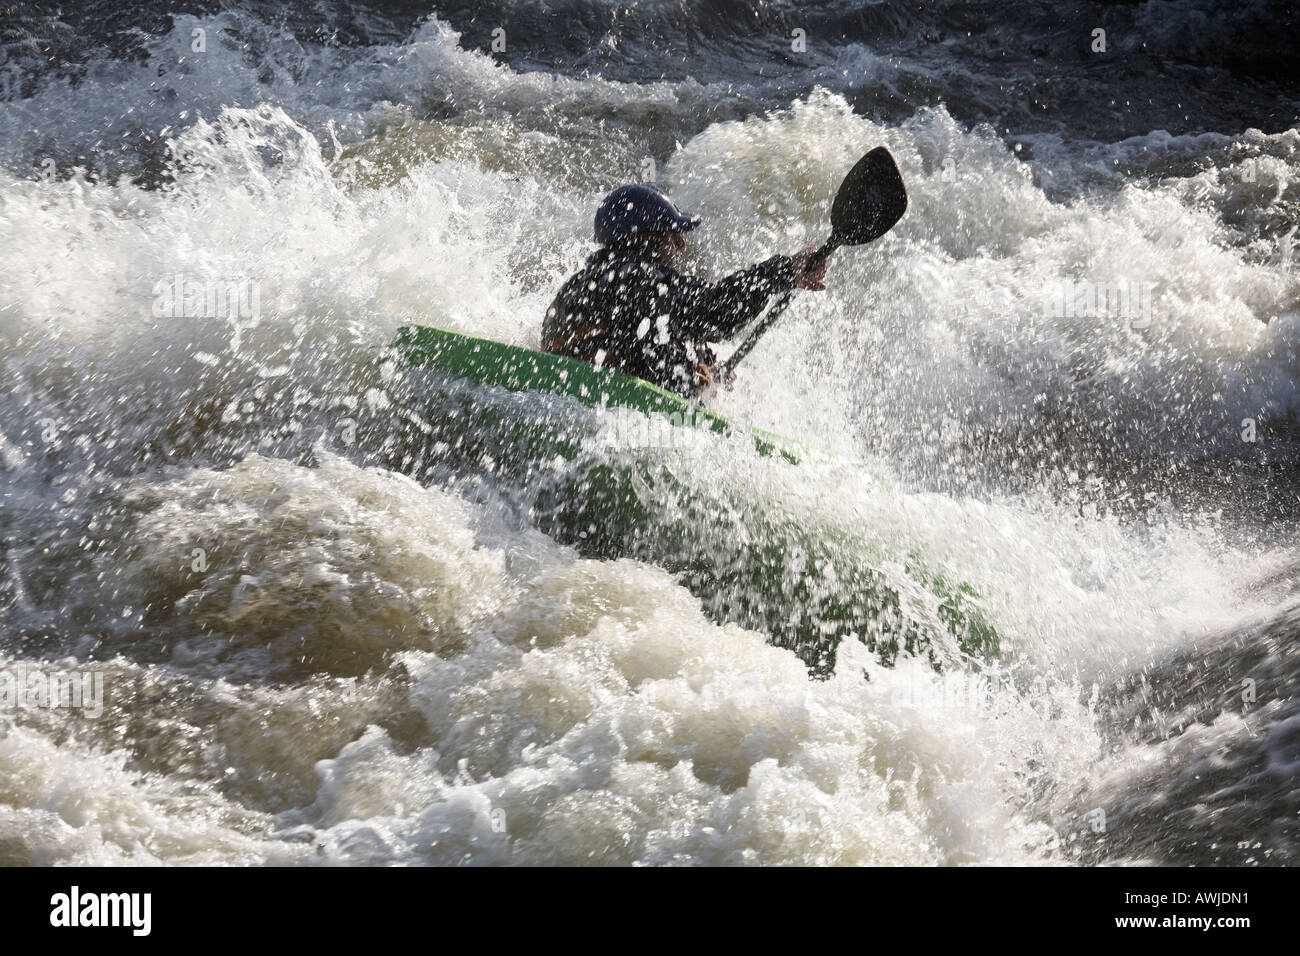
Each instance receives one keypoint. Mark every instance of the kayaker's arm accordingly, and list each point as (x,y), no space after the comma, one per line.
(712,311)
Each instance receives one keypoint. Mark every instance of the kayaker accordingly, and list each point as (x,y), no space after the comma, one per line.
(629,308)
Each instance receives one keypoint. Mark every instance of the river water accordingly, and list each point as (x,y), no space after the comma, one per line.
(320,642)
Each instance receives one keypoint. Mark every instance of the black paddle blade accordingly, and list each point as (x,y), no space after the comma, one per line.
(870,200)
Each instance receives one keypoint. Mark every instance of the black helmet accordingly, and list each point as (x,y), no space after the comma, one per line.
(634,210)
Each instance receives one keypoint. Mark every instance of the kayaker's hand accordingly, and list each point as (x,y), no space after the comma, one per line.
(806,279)
(704,377)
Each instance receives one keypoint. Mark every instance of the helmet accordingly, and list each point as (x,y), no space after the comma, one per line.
(633,210)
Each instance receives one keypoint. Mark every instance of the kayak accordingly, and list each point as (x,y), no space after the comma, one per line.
(515,369)
(573,442)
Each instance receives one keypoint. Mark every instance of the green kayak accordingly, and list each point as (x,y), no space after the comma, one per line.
(695,494)
(515,369)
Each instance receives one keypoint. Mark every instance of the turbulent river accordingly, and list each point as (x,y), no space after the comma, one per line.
(300,633)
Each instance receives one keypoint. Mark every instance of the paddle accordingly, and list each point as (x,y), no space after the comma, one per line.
(869,202)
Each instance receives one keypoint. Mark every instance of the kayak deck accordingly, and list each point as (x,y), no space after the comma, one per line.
(518,369)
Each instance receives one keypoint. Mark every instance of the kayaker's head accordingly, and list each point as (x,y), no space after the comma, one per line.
(642,218)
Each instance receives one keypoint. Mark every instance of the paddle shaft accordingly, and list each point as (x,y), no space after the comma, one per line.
(774,313)
(824,253)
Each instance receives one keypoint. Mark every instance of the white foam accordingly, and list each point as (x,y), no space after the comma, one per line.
(592,703)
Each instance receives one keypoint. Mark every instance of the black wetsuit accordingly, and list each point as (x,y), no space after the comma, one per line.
(624,310)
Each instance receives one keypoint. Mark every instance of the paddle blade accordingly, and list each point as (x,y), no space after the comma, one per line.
(870,200)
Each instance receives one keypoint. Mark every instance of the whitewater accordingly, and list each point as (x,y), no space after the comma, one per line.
(324,640)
